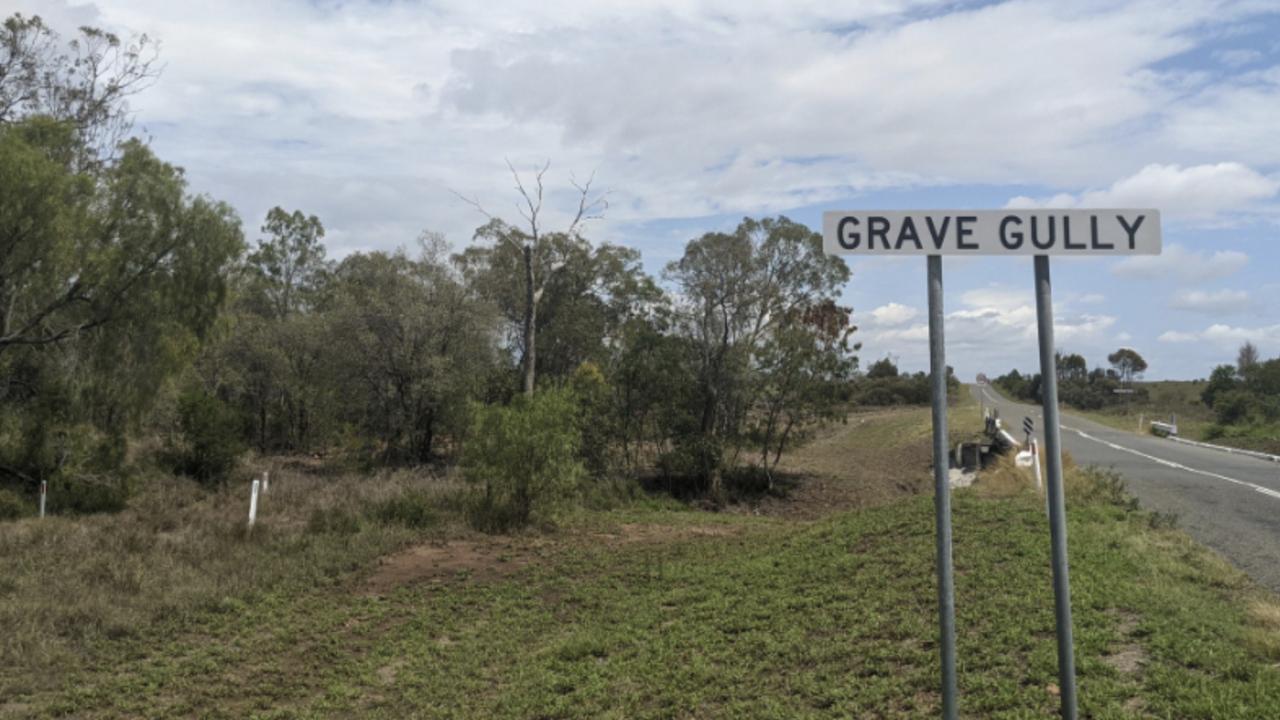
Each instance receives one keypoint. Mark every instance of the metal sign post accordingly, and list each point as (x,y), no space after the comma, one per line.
(1057,506)
(942,490)
(1038,233)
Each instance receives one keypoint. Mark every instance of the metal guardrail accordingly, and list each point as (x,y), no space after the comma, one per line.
(1164,429)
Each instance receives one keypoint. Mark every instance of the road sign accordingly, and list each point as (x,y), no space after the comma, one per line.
(991,232)
(1039,233)
(1028,425)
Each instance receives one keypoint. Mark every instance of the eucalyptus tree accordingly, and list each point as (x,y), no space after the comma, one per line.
(542,253)
(410,347)
(84,83)
(1246,359)
(807,357)
(109,279)
(736,290)
(584,306)
(1127,363)
(288,266)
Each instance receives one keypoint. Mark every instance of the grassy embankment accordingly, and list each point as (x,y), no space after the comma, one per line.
(1168,399)
(650,610)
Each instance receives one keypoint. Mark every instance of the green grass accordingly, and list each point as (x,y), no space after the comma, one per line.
(1261,436)
(655,610)
(831,619)
(76,591)
(1166,399)
(1180,399)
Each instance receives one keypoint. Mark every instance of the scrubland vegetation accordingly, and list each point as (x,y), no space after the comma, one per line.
(491,469)
(650,609)
(145,336)
(1238,405)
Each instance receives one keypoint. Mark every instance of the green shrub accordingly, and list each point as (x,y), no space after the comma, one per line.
(413,508)
(688,467)
(1098,486)
(591,391)
(13,505)
(84,494)
(1234,406)
(333,520)
(747,481)
(524,456)
(211,442)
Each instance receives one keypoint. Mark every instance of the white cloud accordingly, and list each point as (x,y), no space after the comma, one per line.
(888,339)
(1231,118)
(1177,263)
(686,108)
(1201,191)
(1226,337)
(992,320)
(1218,302)
(893,314)
(1237,57)
(997,296)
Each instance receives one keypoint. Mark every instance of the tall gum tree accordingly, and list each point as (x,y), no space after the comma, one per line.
(540,253)
(736,289)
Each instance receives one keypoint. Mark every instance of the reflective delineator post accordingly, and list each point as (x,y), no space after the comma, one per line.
(44,493)
(1057,505)
(942,491)
(253,503)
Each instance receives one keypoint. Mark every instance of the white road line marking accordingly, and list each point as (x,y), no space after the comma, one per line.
(1175,465)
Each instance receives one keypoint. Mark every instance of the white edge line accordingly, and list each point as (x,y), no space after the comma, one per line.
(1231,450)
(1175,465)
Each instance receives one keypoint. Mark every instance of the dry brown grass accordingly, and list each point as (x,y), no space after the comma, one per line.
(70,586)
(1264,633)
(1003,479)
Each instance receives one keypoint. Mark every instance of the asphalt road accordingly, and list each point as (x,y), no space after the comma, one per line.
(1229,502)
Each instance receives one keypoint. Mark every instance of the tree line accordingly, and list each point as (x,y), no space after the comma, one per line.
(1245,399)
(139,327)
(1081,387)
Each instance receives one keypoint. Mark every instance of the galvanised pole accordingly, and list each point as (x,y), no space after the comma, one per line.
(1057,507)
(942,491)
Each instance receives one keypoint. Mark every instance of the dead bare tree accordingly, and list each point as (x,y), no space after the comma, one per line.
(531,243)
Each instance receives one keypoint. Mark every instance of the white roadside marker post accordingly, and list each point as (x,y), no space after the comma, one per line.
(1079,232)
(266,481)
(1035,463)
(44,493)
(253,504)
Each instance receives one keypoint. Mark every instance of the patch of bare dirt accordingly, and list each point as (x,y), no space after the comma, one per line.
(387,673)
(454,560)
(1127,660)
(647,533)
(1130,657)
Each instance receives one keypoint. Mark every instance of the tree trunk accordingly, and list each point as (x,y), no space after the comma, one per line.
(530,322)
(262,425)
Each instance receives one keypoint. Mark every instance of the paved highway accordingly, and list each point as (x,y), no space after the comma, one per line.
(1229,502)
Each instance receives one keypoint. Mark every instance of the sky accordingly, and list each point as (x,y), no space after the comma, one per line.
(375,115)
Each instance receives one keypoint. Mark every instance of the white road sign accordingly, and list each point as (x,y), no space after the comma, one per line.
(991,232)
